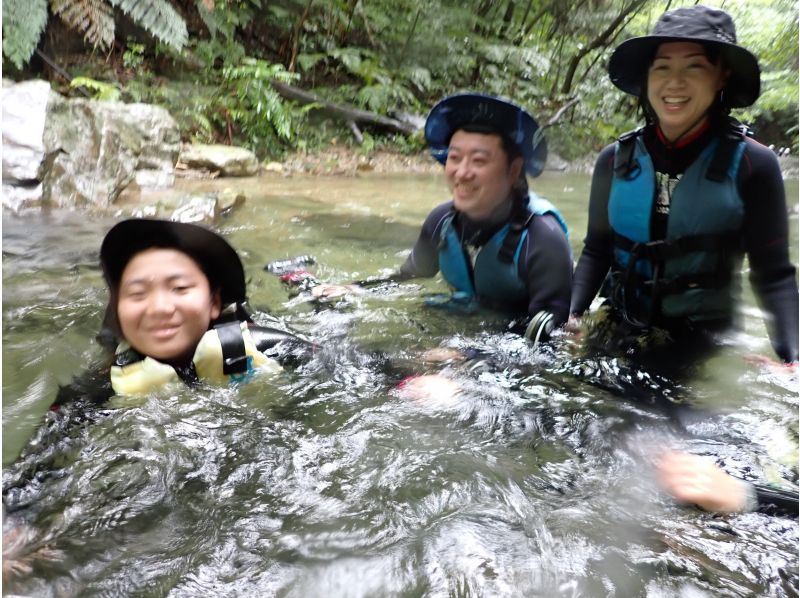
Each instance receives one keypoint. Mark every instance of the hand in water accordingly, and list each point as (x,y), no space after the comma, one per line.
(331,291)
(697,480)
(431,389)
(440,354)
(772,364)
(573,326)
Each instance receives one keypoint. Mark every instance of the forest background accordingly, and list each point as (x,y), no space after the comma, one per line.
(270,74)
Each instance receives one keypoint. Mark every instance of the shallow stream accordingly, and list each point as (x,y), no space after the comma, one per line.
(535,480)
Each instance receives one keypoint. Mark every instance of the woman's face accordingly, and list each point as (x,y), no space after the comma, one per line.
(165,304)
(681,86)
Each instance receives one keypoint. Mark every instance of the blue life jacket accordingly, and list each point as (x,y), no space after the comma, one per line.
(494,279)
(692,273)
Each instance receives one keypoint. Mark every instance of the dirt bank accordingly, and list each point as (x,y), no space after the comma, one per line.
(349,162)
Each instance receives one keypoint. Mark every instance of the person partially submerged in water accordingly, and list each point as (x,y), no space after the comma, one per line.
(176,313)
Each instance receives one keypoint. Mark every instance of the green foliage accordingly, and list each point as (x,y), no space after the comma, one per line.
(102,91)
(23,23)
(224,17)
(403,55)
(218,51)
(158,17)
(258,108)
(93,18)
(133,56)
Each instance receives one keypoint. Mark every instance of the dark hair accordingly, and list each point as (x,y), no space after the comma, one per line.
(718,111)
(511,149)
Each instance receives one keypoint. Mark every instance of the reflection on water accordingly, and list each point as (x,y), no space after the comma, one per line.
(328,481)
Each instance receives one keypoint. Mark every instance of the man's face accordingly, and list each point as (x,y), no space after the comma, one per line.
(165,304)
(478,173)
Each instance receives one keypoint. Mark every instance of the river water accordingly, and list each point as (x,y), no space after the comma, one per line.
(326,480)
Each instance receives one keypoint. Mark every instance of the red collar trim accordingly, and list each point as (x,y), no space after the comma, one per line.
(684,141)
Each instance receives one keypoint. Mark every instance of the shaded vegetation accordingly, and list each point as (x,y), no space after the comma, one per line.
(211,63)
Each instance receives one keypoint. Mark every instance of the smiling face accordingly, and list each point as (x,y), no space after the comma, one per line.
(681,86)
(478,173)
(165,304)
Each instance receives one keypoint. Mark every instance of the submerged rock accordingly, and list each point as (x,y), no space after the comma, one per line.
(225,159)
(181,205)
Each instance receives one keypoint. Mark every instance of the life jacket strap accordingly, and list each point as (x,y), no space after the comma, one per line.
(676,284)
(657,252)
(726,151)
(517,227)
(234,355)
(127,357)
(670,248)
(624,164)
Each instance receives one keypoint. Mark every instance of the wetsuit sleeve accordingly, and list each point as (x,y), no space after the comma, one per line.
(285,347)
(90,388)
(766,239)
(548,269)
(598,245)
(775,501)
(423,262)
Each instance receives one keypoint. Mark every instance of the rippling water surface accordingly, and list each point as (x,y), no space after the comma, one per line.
(534,480)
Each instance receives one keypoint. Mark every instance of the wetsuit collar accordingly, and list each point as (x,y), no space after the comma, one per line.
(477,232)
(684,140)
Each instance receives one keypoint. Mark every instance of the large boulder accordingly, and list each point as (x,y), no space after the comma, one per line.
(24,116)
(78,152)
(224,159)
(98,148)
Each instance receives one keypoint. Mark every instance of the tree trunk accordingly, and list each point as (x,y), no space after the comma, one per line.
(598,42)
(296,39)
(348,113)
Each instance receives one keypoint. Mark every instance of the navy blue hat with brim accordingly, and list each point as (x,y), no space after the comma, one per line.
(480,110)
(700,24)
(215,257)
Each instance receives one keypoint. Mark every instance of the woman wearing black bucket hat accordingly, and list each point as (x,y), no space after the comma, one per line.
(177,312)
(673,208)
(675,205)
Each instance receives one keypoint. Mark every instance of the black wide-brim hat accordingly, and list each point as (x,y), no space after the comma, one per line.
(701,24)
(456,111)
(216,258)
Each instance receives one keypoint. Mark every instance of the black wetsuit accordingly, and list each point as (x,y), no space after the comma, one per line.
(776,501)
(545,262)
(765,230)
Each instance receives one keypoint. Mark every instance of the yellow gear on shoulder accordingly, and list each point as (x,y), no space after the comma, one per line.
(148,374)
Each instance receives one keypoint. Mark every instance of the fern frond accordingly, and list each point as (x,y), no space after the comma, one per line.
(23,23)
(93,18)
(158,17)
(103,91)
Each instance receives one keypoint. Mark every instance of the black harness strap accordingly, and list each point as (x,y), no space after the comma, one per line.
(669,286)
(667,249)
(658,252)
(234,356)
(624,165)
(517,226)
(127,357)
(723,156)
